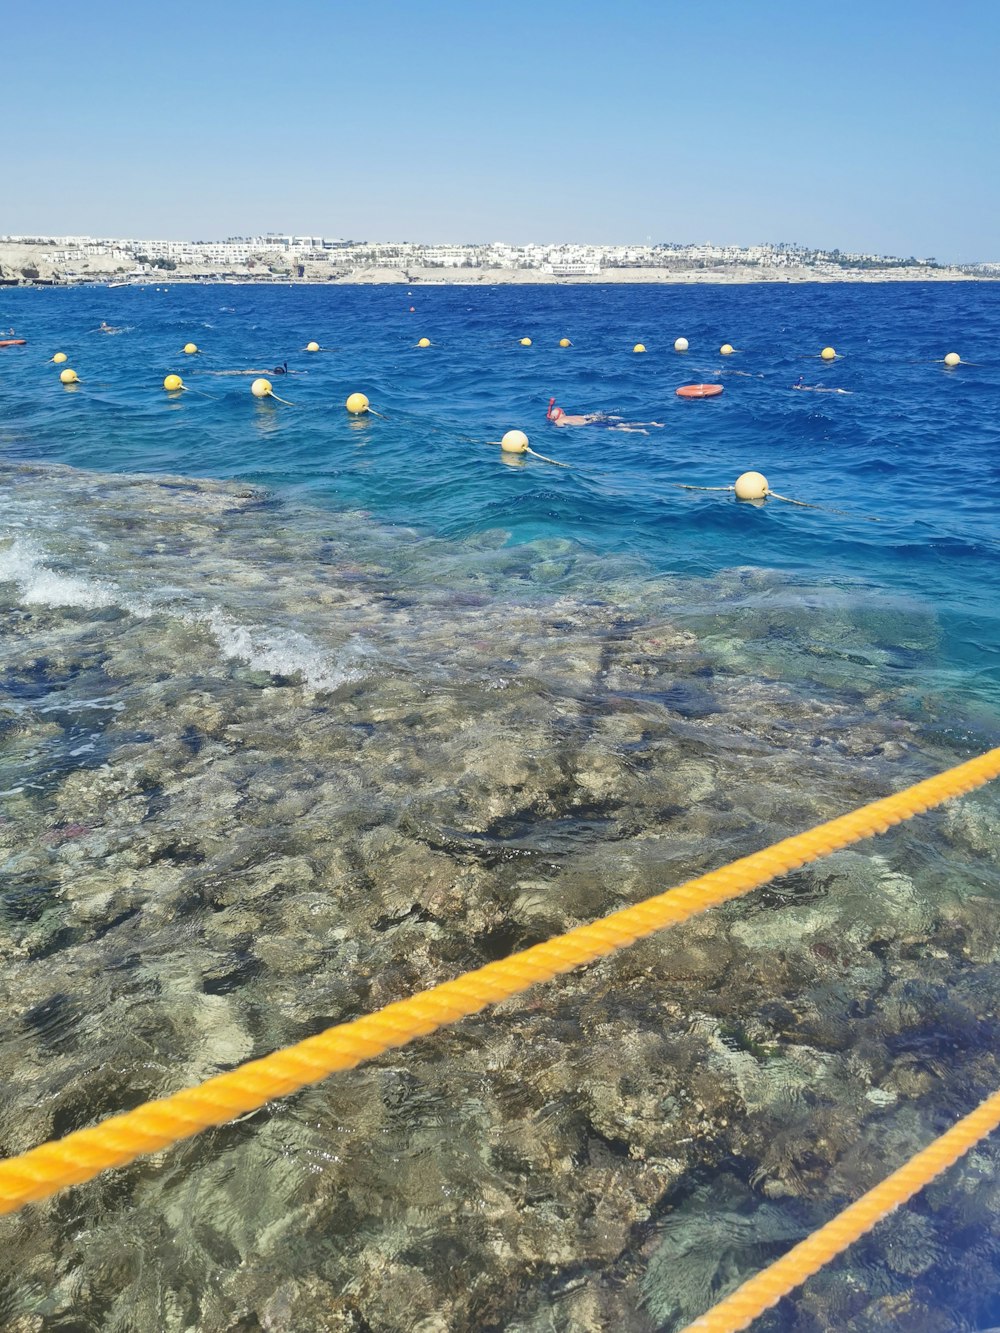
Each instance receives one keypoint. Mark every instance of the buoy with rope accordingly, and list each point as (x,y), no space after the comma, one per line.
(754,486)
(358,406)
(516,442)
(264,389)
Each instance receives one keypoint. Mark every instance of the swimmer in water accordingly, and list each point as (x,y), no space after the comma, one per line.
(559,417)
(107,328)
(275,370)
(817,388)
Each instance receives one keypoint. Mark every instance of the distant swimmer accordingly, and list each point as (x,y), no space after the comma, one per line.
(559,417)
(108,328)
(817,388)
(275,370)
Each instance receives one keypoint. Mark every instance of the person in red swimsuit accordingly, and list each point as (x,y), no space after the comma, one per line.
(559,417)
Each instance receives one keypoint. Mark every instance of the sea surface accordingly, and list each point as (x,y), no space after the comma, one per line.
(302,712)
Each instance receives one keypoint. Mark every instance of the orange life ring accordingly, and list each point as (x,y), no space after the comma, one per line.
(699,390)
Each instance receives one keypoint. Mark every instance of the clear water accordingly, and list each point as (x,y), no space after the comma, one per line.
(300,713)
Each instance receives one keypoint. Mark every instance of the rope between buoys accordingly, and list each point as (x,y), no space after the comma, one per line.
(42,1171)
(759,1293)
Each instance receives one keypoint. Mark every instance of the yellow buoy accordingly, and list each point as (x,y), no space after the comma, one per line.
(565,342)
(424,342)
(828,354)
(514,442)
(525,342)
(639,347)
(59,358)
(356,404)
(312,347)
(68,377)
(953,359)
(173,382)
(751,486)
(264,389)
(680,344)
(190,349)
(726,349)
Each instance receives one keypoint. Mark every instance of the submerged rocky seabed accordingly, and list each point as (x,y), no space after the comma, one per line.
(264,769)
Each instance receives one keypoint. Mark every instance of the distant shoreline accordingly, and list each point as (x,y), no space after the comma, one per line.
(509,278)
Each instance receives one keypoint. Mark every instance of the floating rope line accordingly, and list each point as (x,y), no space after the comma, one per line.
(759,1293)
(754,486)
(80,1156)
(683,485)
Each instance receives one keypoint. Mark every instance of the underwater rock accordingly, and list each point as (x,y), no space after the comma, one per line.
(262,794)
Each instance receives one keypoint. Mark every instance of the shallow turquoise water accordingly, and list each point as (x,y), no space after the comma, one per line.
(300,713)
(915,446)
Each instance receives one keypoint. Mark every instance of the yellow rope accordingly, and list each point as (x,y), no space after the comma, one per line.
(80,1156)
(759,1293)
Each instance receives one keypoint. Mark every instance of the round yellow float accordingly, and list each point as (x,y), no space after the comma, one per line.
(751,486)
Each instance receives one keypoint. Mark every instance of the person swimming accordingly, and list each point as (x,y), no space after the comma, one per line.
(817,388)
(559,417)
(275,370)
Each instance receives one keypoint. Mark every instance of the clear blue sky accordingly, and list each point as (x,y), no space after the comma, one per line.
(868,126)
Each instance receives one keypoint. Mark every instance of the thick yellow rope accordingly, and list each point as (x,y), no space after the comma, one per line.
(759,1293)
(80,1156)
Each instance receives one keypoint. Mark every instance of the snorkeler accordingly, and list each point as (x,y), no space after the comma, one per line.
(275,370)
(559,417)
(817,388)
(105,327)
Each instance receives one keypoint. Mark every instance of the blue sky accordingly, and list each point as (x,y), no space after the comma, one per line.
(868,126)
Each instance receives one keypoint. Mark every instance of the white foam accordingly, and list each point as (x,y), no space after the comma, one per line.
(37,585)
(282,652)
(279,651)
(102,705)
(23,564)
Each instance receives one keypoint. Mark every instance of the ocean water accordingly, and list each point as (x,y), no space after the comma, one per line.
(300,713)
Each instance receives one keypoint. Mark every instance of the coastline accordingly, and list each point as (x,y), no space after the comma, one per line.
(635,276)
(32,266)
(506,278)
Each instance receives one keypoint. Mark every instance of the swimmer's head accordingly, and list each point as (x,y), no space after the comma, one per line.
(555,413)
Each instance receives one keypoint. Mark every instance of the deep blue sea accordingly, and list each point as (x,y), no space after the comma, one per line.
(301,711)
